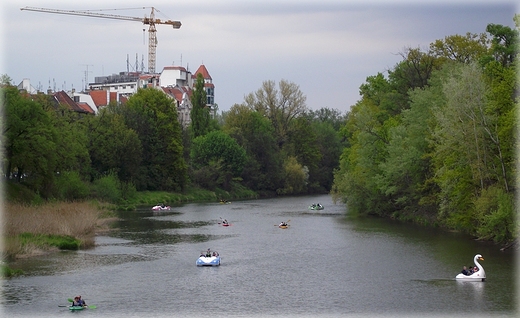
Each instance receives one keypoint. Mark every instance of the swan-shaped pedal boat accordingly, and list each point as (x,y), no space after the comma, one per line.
(478,276)
(161,208)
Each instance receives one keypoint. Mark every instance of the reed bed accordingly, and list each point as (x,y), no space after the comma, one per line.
(76,219)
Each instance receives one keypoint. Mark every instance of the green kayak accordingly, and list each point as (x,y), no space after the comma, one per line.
(76,307)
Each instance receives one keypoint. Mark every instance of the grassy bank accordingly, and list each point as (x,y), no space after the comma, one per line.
(33,230)
(191,194)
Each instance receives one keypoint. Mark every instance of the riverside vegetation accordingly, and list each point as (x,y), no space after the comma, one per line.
(30,230)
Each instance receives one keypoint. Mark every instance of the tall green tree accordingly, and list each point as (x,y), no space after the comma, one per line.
(263,169)
(504,43)
(281,105)
(326,124)
(42,142)
(30,142)
(355,182)
(461,48)
(72,141)
(296,177)
(113,147)
(302,144)
(221,153)
(330,146)
(153,116)
(200,118)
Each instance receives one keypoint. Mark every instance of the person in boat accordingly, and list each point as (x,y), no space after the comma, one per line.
(78,301)
(465,271)
(283,224)
(225,221)
(208,253)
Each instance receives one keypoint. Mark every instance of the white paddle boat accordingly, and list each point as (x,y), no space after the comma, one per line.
(208,258)
(478,276)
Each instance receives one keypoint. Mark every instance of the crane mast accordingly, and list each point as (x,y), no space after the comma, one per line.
(151,21)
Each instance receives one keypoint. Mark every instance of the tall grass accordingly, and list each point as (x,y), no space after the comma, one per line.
(76,219)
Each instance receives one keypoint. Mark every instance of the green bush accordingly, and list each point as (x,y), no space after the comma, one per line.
(18,193)
(42,240)
(496,215)
(70,187)
(128,191)
(9,272)
(108,188)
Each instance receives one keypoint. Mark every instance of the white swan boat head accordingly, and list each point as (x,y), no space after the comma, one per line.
(478,276)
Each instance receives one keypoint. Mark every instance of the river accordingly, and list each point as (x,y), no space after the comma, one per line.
(326,263)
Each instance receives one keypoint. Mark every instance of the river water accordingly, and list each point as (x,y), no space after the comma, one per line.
(325,264)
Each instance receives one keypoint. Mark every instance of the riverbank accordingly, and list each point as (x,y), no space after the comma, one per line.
(191,194)
(34,230)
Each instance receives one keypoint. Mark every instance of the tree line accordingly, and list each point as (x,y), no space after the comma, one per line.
(271,144)
(434,141)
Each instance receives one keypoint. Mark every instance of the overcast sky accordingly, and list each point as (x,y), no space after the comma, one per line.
(326,47)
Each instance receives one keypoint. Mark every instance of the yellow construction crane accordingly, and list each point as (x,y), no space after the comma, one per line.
(152,21)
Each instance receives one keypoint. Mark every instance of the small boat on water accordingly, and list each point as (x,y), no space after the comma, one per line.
(208,258)
(478,276)
(284,225)
(161,208)
(316,206)
(76,305)
(224,222)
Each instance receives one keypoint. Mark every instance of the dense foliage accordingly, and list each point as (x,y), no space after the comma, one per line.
(140,146)
(434,141)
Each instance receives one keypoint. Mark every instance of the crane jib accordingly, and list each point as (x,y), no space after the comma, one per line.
(145,20)
(152,21)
